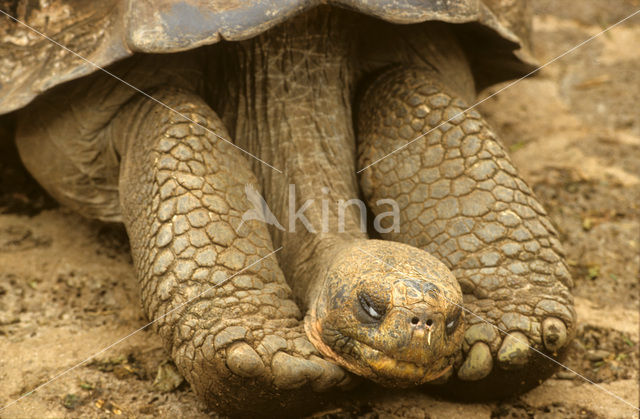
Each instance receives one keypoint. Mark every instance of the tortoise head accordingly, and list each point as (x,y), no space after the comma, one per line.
(389,312)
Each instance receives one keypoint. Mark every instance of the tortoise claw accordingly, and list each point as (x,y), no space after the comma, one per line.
(332,376)
(290,372)
(242,360)
(478,363)
(554,333)
(514,351)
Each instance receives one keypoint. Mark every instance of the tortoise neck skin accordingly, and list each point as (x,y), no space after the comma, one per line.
(293,109)
(288,99)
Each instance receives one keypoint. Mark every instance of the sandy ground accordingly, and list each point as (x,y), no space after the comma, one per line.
(67,287)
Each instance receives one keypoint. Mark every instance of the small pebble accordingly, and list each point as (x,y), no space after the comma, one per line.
(565,375)
(597,355)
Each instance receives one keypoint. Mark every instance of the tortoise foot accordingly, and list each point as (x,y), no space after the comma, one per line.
(509,352)
(514,335)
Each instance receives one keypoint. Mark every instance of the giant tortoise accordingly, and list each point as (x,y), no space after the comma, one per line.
(400,243)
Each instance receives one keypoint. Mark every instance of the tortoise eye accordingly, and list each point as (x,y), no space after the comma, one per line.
(373,310)
(452,321)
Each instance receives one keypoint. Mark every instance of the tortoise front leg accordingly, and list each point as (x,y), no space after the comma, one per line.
(182,192)
(461,199)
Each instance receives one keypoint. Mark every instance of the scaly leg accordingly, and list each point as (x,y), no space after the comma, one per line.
(182,191)
(461,199)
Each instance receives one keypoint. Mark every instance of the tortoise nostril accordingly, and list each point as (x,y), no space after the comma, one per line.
(416,320)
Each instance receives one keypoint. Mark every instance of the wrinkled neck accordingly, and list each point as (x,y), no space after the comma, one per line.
(291,89)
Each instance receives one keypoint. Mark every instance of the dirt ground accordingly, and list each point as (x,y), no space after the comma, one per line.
(67,287)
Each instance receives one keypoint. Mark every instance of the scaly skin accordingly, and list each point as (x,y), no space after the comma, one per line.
(462,200)
(183,195)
